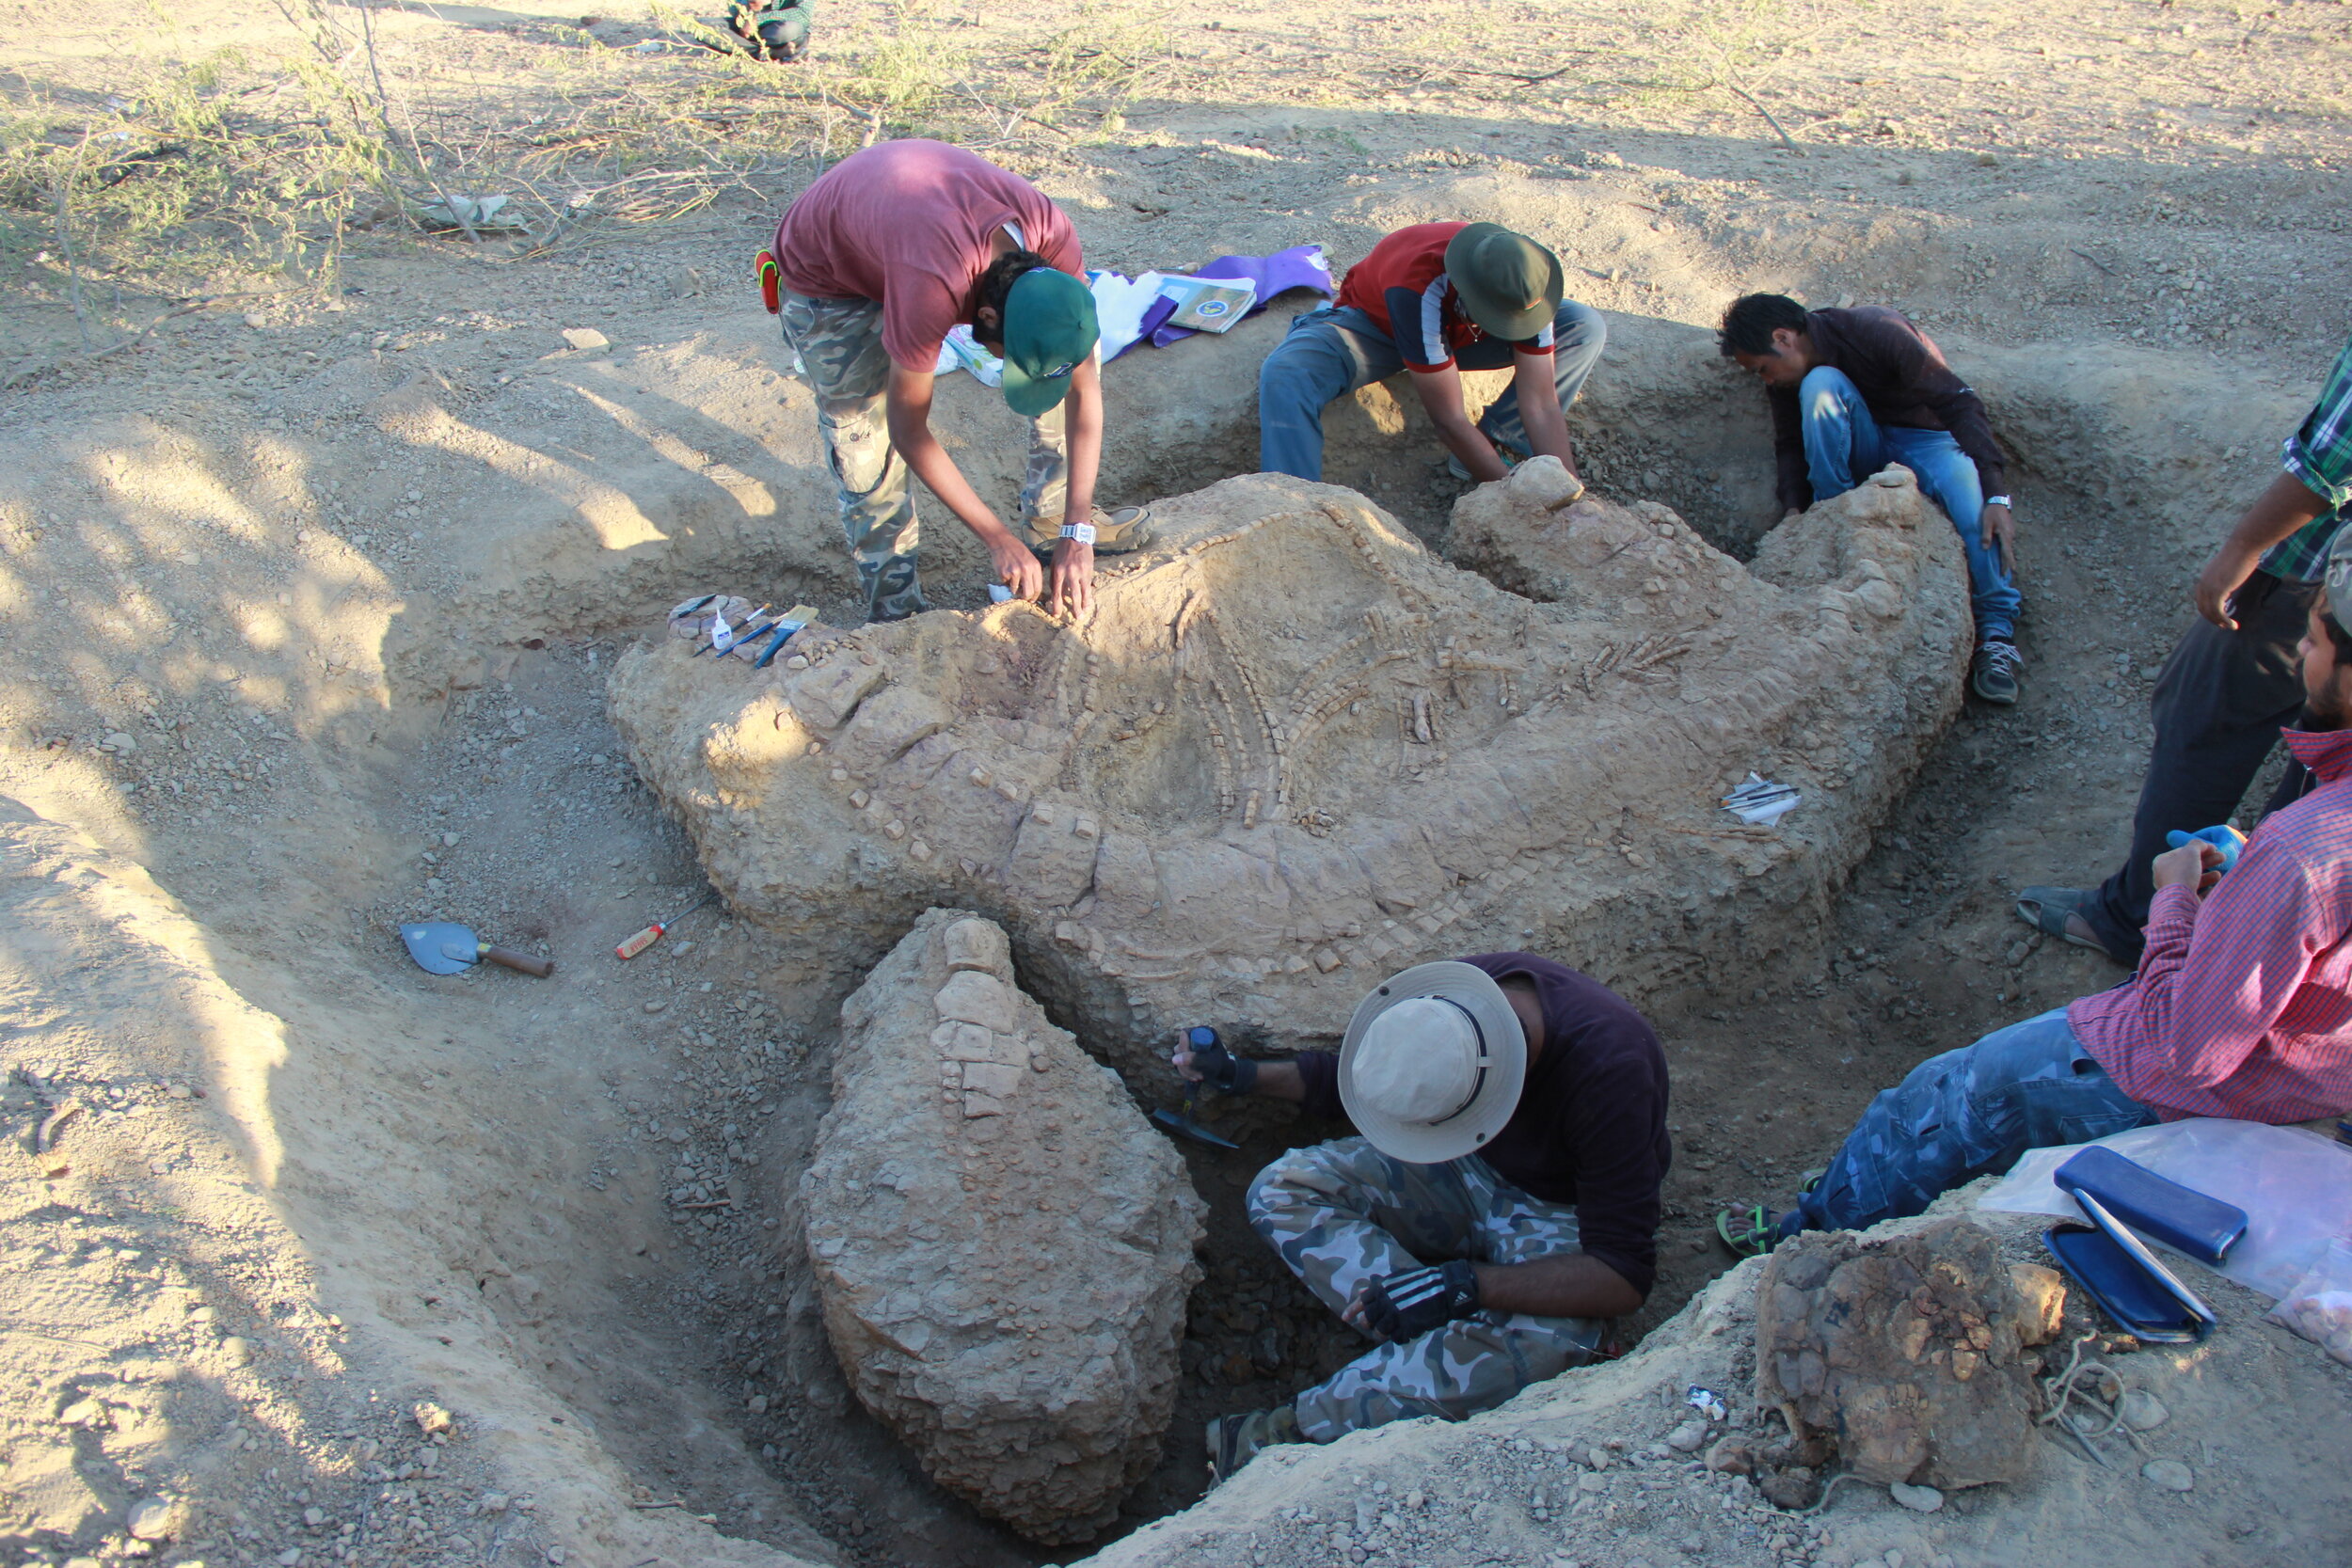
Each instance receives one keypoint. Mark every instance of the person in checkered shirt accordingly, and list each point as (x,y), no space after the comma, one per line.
(2229,682)
(2242,1006)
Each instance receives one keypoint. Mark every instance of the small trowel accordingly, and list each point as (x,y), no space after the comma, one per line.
(1183,1123)
(444,947)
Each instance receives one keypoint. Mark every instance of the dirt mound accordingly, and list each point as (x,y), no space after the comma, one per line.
(1607,1462)
(1003,1244)
(1291,750)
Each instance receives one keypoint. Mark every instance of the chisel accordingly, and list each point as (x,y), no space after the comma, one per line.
(652,933)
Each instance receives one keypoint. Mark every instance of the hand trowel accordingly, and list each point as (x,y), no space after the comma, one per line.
(444,947)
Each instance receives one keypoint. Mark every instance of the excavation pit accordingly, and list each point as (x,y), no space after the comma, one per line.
(478,710)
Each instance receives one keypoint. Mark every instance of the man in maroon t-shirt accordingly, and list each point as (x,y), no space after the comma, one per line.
(878,260)
(1438,299)
(1501,1204)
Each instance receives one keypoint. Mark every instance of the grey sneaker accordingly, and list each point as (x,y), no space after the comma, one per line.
(1235,1440)
(1992,674)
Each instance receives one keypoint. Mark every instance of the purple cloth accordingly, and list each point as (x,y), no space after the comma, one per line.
(1301,266)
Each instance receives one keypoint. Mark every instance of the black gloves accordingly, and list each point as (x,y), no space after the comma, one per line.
(1408,1304)
(1217,1066)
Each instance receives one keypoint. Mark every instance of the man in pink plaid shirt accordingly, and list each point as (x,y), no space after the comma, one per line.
(2242,1005)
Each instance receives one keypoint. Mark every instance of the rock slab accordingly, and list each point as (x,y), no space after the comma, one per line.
(1905,1356)
(1002,1244)
(1291,752)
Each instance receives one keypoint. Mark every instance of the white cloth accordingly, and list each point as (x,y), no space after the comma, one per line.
(1120,305)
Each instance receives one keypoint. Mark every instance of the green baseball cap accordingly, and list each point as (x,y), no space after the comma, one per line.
(1510,285)
(2339,579)
(1049,328)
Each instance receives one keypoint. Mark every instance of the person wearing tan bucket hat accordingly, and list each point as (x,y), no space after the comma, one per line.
(1438,299)
(1499,1205)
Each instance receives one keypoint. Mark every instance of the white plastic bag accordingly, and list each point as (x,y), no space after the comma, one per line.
(2319,1307)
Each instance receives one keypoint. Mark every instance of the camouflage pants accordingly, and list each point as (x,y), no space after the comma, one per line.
(839,345)
(1965,1114)
(1344,1213)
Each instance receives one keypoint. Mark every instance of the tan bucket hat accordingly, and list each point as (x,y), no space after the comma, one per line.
(1432,1062)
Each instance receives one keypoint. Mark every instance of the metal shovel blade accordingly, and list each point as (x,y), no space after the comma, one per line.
(1185,1127)
(441,946)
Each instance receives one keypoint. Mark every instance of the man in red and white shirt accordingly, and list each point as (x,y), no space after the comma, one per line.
(1438,299)
(2242,1006)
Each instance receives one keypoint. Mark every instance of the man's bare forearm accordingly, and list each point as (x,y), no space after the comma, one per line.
(908,413)
(1465,441)
(2285,506)
(1084,433)
(1540,414)
(1571,1285)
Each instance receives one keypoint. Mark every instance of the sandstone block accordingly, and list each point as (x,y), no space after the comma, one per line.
(826,695)
(971,997)
(978,944)
(1003,1267)
(1291,750)
(1906,1354)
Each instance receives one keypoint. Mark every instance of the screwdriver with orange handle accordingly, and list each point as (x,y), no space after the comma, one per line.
(652,933)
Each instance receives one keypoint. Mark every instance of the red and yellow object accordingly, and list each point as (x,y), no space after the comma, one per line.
(652,933)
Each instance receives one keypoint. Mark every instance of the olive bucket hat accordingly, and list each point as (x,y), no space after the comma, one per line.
(1510,285)
(1049,329)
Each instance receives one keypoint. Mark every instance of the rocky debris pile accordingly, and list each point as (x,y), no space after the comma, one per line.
(1905,1358)
(1291,750)
(1626,1462)
(1002,1244)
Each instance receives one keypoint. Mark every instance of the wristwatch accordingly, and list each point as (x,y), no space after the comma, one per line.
(1082,532)
(1996,501)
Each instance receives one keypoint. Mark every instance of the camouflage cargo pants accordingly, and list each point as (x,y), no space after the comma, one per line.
(839,343)
(1344,1213)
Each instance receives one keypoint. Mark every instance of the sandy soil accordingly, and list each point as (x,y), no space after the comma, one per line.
(309,601)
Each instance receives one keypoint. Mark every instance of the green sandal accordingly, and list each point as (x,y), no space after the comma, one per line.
(1749,1233)
(2048,908)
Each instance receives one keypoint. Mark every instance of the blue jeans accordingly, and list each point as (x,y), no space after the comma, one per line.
(1331,352)
(1965,1114)
(1843,444)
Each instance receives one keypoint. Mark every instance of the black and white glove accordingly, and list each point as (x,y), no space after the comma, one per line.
(1408,1304)
(1217,1066)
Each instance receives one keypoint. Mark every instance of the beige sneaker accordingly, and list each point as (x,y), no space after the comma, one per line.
(1118,532)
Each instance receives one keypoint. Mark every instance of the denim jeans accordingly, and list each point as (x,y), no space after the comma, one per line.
(1965,1114)
(1844,445)
(1331,352)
